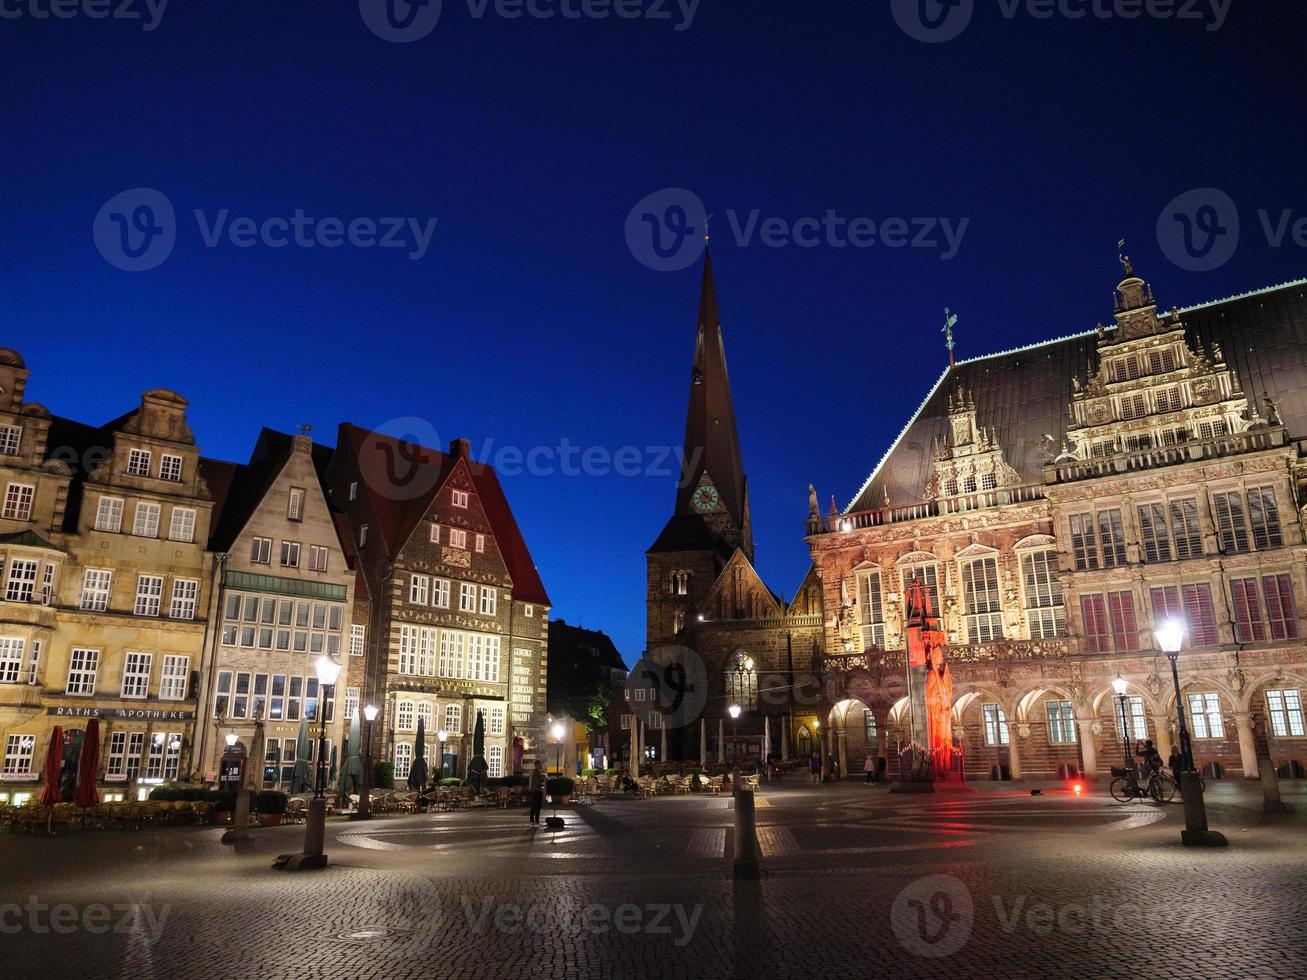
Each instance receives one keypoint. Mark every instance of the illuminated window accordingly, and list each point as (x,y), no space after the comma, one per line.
(996,732)
(109,514)
(18,501)
(82,668)
(1138,721)
(403,760)
(984,616)
(1061,722)
(1045,612)
(145,522)
(1205,716)
(742,682)
(871,612)
(138,462)
(1285,709)
(170,468)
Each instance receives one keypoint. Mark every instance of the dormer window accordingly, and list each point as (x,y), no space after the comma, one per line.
(138,462)
(170,468)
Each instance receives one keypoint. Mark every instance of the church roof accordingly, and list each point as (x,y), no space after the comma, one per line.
(1024,393)
(689,532)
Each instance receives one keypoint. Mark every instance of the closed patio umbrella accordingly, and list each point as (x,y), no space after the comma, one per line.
(87,766)
(477,768)
(766,738)
(274,763)
(301,781)
(417,772)
(331,773)
(351,777)
(50,771)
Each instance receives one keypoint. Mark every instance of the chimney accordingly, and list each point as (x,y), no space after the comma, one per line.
(460,449)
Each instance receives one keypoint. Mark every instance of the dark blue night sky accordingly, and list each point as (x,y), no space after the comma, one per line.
(529,322)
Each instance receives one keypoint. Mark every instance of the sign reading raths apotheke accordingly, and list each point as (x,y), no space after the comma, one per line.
(123,714)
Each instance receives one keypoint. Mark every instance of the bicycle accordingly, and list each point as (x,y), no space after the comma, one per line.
(1125,786)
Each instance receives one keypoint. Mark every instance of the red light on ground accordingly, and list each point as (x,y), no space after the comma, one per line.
(1077,788)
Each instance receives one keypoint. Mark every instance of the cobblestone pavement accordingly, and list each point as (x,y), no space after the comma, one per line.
(858,882)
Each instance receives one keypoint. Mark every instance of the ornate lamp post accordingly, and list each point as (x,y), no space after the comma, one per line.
(442,736)
(364,811)
(1119,685)
(734,711)
(1170,637)
(315,831)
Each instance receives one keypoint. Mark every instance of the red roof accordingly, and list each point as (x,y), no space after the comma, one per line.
(399,513)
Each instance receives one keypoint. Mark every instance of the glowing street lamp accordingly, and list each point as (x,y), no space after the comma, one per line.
(734,712)
(364,811)
(315,830)
(1119,685)
(1170,637)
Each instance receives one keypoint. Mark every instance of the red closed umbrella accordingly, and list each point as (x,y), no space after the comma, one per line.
(50,771)
(88,765)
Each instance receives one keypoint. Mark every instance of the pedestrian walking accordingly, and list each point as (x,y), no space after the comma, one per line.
(1175,762)
(535,789)
(814,764)
(869,768)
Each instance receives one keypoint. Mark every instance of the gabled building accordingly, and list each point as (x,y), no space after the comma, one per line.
(703,591)
(457,614)
(284,597)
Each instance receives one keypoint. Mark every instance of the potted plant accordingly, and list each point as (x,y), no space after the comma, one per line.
(271,807)
(383,775)
(224,804)
(560,789)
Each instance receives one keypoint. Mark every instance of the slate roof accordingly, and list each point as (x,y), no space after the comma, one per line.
(689,532)
(1024,393)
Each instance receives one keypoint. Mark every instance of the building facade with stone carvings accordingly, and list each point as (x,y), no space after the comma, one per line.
(703,591)
(105,587)
(1059,503)
(456,614)
(284,597)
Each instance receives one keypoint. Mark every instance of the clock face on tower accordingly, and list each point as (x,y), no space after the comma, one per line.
(706,498)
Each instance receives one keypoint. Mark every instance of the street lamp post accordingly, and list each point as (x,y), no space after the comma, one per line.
(364,811)
(557,731)
(315,831)
(442,736)
(1119,685)
(734,711)
(1170,637)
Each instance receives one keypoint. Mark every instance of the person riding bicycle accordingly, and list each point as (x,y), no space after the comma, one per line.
(1148,752)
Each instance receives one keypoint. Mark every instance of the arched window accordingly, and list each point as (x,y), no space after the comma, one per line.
(742,681)
(404,716)
(680,582)
(403,759)
(869,728)
(804,740)
(425,714)
(678,621)
(454,719)
(495,759)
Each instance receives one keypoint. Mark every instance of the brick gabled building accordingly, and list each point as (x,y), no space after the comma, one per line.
(456,614)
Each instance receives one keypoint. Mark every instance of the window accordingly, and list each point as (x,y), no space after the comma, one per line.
(1205,719)
(495,760)
(363,535)
(136,675)
(871,611)
(1153,534)
(21,582)
(440,589)
(318,558)
(996,732)
(261,551)
(182,527)
(1185,531)
(454,719)
(1138,722)
(290,554)
(489,600)
(184,593)
(495,721)
(145,522)
(451,653)
(1285,709)
(492,659)
(1093,613)
(869,729)
(95,589)
(1133,406)
(480,543)
(984,615)
(426,717)
(742,682)
(354,490)
(927,574)
(1249,626)
(109,514)
(222,694)
(116,768)
(1111,538)
(1061,723)
(476,656)
(170,468)
(1214,429)
(467,597)
(1169,400)
(1125,632)
(295,506)
(1109,622)
(1192,605)
(1264,515)
(419,586)
(457,538)
(18,501)
(408,650)
(1230,524)
(1161,361)
(357,635)
(11,436)
(176,673)
(149,595)
(1278,590)
(1084,542)
(138,462)
(458,498)
(435,533)
(404,716)
(11,659)
(403,759)
(1102,449)
(18,756)
(1045,612)
(351,704)
(1135,444)
(82,667)
(529,611)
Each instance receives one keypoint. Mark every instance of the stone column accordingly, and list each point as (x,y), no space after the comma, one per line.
(1014,753)
(1088,749)
(1243,722)
(662,745)
(843,756)
(721,741)
(785,737)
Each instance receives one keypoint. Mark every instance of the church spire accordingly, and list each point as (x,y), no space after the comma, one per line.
(712,443)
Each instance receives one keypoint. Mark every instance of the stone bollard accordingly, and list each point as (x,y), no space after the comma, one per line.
(1195,833)
(240,819)
(746,836)
(1270,787)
